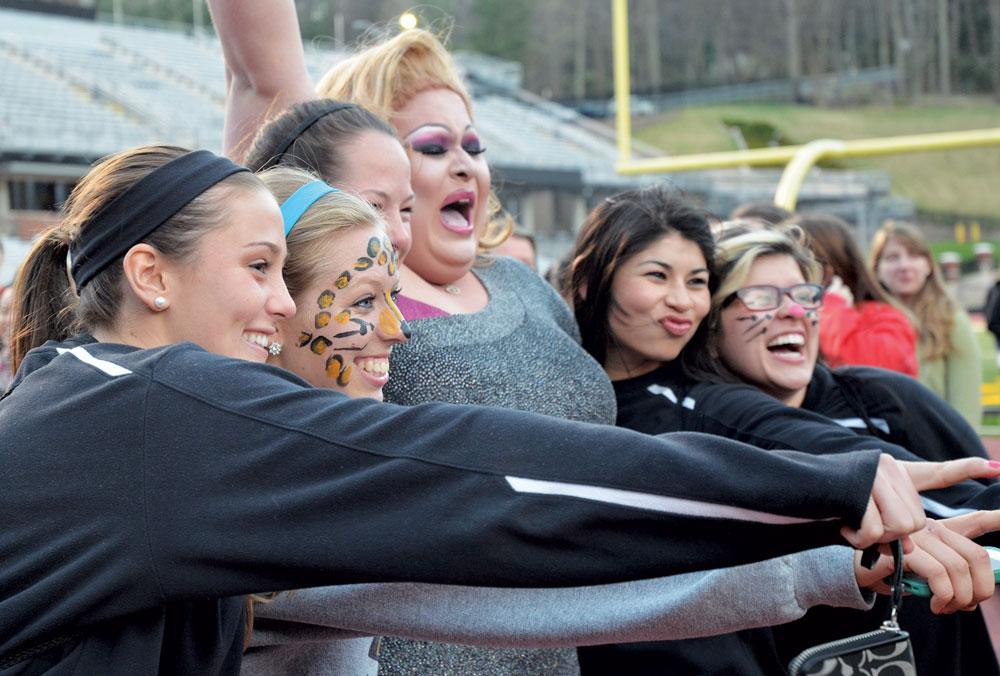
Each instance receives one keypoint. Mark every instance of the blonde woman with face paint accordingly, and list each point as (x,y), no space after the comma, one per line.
(773,345)
(948,350)
(643,275)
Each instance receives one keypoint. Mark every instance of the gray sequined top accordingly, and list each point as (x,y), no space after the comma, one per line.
(521,351)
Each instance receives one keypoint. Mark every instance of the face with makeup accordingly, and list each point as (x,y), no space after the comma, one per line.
(451,182)
(659,298)
(378,171)
(347,320)
(230,296)
(902,271)
(773,349)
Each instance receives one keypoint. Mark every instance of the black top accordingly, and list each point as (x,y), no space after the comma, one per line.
(145,491)
(881,409)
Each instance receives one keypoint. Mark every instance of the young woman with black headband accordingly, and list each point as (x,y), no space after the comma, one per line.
(155,470)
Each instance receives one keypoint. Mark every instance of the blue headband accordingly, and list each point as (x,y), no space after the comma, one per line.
(300,201)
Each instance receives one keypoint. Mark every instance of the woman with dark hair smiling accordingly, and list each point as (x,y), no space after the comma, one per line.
(642,279)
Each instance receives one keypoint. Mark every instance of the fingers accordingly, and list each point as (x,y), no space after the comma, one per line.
(869,532)
(974,524)
(957,570)
(873,579)
(928,475)
(897,501)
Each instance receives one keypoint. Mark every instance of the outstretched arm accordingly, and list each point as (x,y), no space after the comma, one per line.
(681,606)
(265,65)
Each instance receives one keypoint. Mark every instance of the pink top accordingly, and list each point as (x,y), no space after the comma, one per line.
(414,309)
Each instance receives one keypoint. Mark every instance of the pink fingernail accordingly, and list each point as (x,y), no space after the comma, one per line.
(994,463)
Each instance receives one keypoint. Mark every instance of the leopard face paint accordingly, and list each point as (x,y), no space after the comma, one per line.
(347,320)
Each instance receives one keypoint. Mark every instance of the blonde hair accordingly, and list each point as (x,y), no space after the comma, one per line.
(933,305)
(330,214)
(385,76)
(736,255)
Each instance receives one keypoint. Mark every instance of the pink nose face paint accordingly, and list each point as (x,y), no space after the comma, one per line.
(797,311)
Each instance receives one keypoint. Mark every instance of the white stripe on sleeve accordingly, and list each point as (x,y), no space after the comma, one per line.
(657,503)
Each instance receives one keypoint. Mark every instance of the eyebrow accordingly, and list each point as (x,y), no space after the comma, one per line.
(435,124)
(275,249)
(668,266)
(384,195)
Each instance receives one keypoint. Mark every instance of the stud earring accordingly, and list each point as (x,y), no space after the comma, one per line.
(160,302)
(274,349)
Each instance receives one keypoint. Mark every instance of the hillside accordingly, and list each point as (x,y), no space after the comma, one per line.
(961,183)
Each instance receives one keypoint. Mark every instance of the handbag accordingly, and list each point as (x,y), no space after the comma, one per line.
(885,651)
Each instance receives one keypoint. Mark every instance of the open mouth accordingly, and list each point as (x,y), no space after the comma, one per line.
(456,212)
(790,344)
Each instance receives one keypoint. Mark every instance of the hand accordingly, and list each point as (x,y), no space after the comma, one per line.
(929,475)
(837,288)
(957,570)
(894,510)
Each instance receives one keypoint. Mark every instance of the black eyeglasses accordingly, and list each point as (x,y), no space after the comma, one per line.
(767,297)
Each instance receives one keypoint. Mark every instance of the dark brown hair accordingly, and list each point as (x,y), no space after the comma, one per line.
(319,148)
(616,230)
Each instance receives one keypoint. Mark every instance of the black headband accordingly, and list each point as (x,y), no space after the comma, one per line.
(280,151)
(133,215)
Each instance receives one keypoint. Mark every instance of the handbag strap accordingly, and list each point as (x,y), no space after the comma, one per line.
(896,585)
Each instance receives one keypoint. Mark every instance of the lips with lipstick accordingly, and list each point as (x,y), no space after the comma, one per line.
(456,212)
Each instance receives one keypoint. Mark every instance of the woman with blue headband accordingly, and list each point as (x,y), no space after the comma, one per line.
(156,470)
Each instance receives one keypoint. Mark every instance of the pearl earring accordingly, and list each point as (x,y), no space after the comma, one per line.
(160,302)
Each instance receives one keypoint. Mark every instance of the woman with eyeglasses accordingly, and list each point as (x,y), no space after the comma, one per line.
(644,282)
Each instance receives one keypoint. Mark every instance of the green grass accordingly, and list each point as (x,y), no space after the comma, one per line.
(953,182)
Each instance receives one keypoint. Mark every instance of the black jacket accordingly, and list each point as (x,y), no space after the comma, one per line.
(880,409)
(146,491)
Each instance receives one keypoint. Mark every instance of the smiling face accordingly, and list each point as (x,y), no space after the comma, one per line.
(379,173)
(659,298)
(902,271)
(347,320)
(230,296)
(451,182)
(772,349)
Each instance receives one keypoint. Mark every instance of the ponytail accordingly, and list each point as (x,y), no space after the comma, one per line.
(43,304)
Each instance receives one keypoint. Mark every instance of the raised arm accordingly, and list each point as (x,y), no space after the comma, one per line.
(265,65)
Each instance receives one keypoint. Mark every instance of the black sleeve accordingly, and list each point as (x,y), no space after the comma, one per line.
(747,414)
(293,487)
(926,423)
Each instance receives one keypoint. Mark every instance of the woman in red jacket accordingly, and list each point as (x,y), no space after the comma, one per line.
(861,324)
